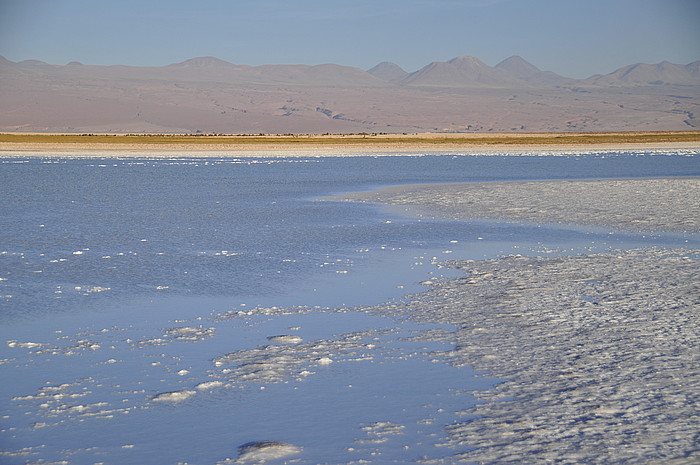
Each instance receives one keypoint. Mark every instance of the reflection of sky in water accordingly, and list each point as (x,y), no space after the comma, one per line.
(99,256)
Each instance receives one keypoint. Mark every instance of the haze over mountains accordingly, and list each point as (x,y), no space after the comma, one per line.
(464,94)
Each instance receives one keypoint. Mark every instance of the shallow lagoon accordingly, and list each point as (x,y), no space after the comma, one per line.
(102,258)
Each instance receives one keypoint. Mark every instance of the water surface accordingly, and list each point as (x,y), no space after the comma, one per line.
(100,258)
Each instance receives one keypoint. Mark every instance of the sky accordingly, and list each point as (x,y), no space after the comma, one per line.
(574,38)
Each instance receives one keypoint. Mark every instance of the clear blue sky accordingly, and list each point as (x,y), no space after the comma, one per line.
(575,38)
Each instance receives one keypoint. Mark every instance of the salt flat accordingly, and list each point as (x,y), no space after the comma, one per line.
(599,351)
(671,204)
(599,354)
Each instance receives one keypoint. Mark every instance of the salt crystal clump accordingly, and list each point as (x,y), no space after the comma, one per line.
(205,386)
(285,339)
(379,431)
(97,289)
(173,397)
(24,345)
(265,450)
(188,333)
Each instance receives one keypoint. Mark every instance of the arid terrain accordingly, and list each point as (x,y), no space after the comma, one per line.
(209,95)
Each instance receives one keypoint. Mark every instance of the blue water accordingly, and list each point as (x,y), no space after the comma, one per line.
(111,251)
(163,222)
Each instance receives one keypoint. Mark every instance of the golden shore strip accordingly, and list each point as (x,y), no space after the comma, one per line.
(350,144)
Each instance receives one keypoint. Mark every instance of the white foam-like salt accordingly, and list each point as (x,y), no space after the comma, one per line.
(23,345)
(207,385)
(173,397)
(265,450)
(285,339)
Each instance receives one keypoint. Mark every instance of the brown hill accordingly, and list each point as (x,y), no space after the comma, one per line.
(388,71)
(464,94)
(517,67)
(464,71)
(646,74)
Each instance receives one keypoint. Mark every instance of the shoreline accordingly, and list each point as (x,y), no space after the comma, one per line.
(67,151)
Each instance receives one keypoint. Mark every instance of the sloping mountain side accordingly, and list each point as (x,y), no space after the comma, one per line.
(464,94)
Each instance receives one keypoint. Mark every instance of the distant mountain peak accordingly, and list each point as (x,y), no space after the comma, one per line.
(28,63)
(517,65)
(388,71)
(467,60)
(520,68)
(202,62)
(649,74)
(462,71)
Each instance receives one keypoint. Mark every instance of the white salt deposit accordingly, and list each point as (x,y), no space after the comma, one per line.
(664,204)
(24,345)
(259,452)
(285,339)
(173,397)
(93,289)
(276,363)
(188,333)
(379,432)
(599,354)
(207,385)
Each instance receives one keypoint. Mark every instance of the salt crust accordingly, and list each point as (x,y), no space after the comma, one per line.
(276,363)
(599,353)
(173,397)
(187,333)
(207,385)
(378,432)
(664,204)
(261,452)
(285,339)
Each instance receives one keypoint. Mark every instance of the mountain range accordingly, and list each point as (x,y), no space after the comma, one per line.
(463,94)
